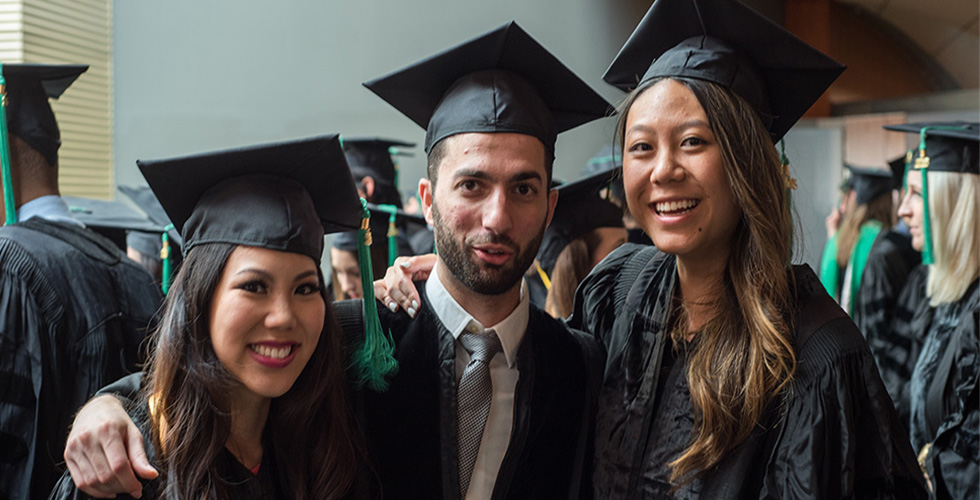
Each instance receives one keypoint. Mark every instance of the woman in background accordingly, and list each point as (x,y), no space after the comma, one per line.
(941,206)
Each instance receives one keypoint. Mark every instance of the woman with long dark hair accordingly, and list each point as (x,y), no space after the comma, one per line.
(243,396)
(736,376)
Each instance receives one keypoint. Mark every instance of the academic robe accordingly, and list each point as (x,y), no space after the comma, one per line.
(896,348)
(410,429)
(834,434)
(73,312)
(269,484)
(889,263)
(944,399)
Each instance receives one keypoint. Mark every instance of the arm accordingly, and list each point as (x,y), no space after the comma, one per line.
(105,452)
(397,287)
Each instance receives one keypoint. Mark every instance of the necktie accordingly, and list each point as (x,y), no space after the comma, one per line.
(473,400)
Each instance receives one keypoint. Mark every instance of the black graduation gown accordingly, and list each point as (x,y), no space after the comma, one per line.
(410,429)
(944,401)
(73,312)
(896,348)
(269,484)
(889,263)
(834,435)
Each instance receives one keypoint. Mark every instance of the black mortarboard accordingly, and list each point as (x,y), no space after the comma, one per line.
(111,219)
(726,42)
(608,158)
(280,196)
(869,183)
(29,115)
(502,81)
(580,209)
(144,198)
(381,231)
(897,167)
(943,147)
(949,146)
(374,157)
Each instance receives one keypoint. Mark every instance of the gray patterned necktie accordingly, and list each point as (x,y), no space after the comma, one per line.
(473,400)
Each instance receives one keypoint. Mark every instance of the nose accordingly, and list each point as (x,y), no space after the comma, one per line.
(904,210)
(665,167)
(496,217)
(282,312)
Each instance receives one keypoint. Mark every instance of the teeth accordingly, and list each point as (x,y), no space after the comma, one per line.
(272,352)
(676,206)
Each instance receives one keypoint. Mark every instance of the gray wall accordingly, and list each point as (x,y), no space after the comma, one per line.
(193,76)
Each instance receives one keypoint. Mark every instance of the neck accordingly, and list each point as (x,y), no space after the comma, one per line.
(701,288)
(248,418)
(487,309)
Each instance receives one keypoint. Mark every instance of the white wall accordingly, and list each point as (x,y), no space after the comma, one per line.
(197,75)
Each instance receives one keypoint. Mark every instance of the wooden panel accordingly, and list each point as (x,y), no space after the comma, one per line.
(867,144)
(78,32)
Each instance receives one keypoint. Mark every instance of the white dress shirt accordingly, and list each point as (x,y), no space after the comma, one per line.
(50,207)
(503,375)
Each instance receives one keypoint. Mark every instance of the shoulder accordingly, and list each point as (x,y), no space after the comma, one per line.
(824,335)
(608,284)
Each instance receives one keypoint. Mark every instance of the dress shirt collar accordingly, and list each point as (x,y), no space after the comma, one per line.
(50,207)
(510,330)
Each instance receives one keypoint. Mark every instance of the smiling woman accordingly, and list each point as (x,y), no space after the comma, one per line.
(248,356)
(730,373)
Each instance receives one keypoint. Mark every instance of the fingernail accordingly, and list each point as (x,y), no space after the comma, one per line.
(411,312)
(405,264)
(392,306)
(415,305)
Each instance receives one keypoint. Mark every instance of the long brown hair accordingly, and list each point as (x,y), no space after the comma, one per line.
(572,265)
(743,357)
(880,209)
(187,390)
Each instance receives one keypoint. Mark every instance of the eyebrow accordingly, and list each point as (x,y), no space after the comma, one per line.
(267,275)
(639,127)
(481,174)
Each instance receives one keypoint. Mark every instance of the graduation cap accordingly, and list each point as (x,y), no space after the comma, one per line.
(898,168)
(375,157)
(387,222)
(26,113)
(869,183)
(608,158)
(580,209)
(282,196)
(29,114)
(112,219)
(502,81)
(165,247)
(943,147)
(727,43)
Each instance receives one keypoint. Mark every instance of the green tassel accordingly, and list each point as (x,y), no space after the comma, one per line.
(166,275)
(392,235)
(375,360)
(10,208)
(394,153)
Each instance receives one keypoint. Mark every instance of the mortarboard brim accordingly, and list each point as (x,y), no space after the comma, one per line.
(111,219)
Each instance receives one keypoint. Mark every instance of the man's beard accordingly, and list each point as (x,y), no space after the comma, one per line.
(482,277)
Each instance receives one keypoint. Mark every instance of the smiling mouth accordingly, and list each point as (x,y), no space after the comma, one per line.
(271,352)
(675,207)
